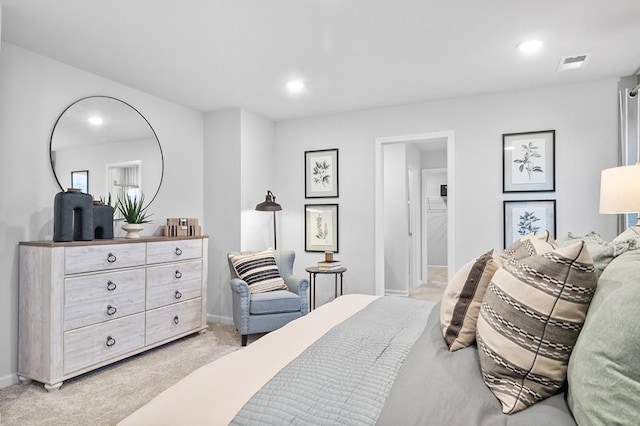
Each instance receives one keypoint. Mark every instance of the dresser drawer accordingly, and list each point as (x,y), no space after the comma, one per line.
(97,258)
(173,283)
(97,343)
(91,287)
(171,251)
(104,309)
(164,323)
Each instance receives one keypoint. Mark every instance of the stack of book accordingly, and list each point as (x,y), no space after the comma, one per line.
(329,265)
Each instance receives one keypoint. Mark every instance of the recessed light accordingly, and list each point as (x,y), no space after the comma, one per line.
(295,86)
(96,121)
(530,46)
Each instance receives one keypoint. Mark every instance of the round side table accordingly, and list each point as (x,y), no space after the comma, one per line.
(313,271)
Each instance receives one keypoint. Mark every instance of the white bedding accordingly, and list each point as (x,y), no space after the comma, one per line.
(214,393)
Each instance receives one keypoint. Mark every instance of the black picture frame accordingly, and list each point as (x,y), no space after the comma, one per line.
(321,227)
(321,173)
(80,180)
(521,217)
(528,161)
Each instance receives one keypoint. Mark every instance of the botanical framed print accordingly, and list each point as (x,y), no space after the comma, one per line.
(321,173)
(80,180)
(529,161)
(321,227)
(523,217)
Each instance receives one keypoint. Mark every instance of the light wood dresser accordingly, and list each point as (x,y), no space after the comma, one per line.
(86,304)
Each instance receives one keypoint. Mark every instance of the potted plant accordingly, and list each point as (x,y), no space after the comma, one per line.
(133,213)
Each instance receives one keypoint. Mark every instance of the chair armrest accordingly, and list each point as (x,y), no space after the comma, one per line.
(297,285)
(239,286)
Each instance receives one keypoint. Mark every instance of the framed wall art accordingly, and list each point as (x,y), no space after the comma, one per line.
(321,173)
(523,217)
(321,227)
(529,162)
(80,180)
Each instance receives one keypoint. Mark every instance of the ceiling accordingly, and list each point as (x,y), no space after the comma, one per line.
(352,54)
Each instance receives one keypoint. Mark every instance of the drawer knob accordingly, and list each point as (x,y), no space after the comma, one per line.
(111,285)
(111,310)
(178,251)
(176,320)
(178,274)
(111,258)
(110,341)
(178,295)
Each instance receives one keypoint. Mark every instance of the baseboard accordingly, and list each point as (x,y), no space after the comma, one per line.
(8,380)
(403,293)
(220,319)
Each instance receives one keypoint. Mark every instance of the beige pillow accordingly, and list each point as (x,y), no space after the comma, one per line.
(530,319)
(529,245)
(462,299)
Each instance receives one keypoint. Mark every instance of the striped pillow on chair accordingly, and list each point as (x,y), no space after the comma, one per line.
(259,271)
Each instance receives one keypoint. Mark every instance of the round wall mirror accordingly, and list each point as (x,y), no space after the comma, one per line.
(104,147)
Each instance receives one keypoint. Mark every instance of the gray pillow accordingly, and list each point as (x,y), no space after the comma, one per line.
(602,252)
(604,368)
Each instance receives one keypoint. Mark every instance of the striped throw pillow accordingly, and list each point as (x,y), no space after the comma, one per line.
(462,299)
(259,271)
(530,319)
(529,245)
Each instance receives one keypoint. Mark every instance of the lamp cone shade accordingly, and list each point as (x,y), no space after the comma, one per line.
(269,204)
(620,189)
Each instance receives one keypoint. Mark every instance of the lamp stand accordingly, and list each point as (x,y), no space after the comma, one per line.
(275,241)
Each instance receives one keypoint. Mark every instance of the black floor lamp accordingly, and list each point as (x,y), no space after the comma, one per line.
(269,205)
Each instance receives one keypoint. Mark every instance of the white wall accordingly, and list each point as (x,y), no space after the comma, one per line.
(239,168)
(258,164)
(584,117)
(395,218)
(33,92)
(222,204)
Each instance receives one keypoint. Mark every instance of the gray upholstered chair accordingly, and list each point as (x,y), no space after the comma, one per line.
(264,312)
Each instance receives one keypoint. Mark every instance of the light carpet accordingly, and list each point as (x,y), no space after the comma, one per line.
(109,394)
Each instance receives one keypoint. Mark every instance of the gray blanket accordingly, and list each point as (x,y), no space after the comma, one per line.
(344,377)
(383,366)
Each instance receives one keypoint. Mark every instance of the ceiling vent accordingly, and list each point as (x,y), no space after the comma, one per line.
(573,62)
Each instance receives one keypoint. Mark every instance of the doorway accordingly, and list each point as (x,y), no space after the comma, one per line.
(412,254)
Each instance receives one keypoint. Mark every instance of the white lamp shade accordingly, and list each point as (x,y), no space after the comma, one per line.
(620,190)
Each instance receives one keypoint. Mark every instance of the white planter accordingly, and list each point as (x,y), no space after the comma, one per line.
(133,229)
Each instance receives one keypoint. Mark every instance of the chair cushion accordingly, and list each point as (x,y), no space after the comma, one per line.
(273,302)
(530,319)
(258,270)
(462,299)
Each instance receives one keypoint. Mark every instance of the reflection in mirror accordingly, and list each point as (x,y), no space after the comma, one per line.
(110,141)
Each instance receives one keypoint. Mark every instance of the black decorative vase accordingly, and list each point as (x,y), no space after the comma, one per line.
(102,221)
(72,216)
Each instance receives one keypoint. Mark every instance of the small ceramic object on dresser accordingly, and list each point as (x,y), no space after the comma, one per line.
(133,229)
(102,221)
(72,216)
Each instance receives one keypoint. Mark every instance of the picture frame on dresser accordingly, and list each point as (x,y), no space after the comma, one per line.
(321,228)
(522,217)
(321,173)
(80,180)
(528,161)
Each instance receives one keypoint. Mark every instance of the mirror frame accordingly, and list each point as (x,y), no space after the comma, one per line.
(55,175)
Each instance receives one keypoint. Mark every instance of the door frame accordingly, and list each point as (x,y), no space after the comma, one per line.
(380,142)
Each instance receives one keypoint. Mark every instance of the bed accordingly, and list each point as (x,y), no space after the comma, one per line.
(357,360)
